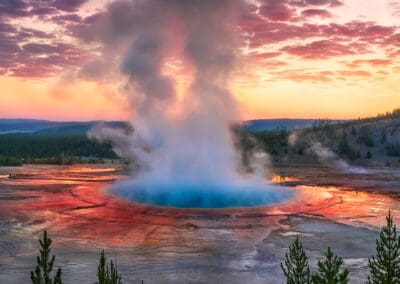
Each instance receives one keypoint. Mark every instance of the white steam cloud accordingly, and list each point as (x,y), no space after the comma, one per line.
(330,159)
(182,145)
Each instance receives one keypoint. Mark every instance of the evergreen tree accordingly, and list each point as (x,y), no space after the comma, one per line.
(353,131)
(384,267)
(101,269)
(328,271)
(383,136)
(107,274)
(114,277)
(296,267)
(41,275)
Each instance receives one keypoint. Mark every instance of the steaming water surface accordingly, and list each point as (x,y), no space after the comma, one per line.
(181,194)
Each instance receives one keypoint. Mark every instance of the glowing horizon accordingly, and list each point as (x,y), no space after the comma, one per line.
(299,59)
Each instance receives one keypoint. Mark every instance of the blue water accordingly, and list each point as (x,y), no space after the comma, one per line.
(187,195)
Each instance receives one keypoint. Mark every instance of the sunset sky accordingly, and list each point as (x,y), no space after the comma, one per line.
(299,59)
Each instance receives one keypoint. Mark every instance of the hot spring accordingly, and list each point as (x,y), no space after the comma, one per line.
(186,194)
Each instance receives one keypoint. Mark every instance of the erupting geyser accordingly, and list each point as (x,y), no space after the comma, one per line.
(182,144)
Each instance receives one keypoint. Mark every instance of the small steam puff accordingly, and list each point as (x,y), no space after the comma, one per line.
(182,145)
(293,137)
(330,159)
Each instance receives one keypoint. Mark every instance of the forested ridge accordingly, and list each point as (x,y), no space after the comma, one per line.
(38,149)
(370,140)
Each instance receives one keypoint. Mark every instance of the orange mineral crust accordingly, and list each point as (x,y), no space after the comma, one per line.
(74,203)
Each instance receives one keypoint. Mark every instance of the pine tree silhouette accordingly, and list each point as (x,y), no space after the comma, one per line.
(41,275)
(384,267)
(107,274)
(101,269)
(328,270)
(296,267)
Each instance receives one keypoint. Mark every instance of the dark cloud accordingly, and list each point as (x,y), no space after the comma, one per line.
(272,22)
(273,32)
(38,65)
(260,31)
(28,8)
(37,59)
(13,8)
(9,49)
(43,11)
(36,33)
(68,5)
(9,45)
(61,19)
(277,10)
(43,48)
(316,13)
(25,50)
(305,3)
(32,71)
(93,19)
(7,28)
(363,30)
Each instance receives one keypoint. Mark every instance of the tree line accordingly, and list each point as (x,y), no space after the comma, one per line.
(34,149)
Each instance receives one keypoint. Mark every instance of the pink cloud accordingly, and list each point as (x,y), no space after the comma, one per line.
(355,73)
(264,55)
(316,13)
(395,6)
(277,10)
(302,76)
(372,62)
(305,3)
(322,49)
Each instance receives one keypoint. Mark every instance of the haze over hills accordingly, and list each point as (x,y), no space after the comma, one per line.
(47,127)
(282,123)
(371,141)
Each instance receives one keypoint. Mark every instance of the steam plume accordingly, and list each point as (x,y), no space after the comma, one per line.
(182,145)
(330,159)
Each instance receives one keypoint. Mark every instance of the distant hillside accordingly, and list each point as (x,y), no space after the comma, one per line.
(371,141)
(282,123)
(374,141)
(24,125)
(46,127)
(28,141)
(51,128)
